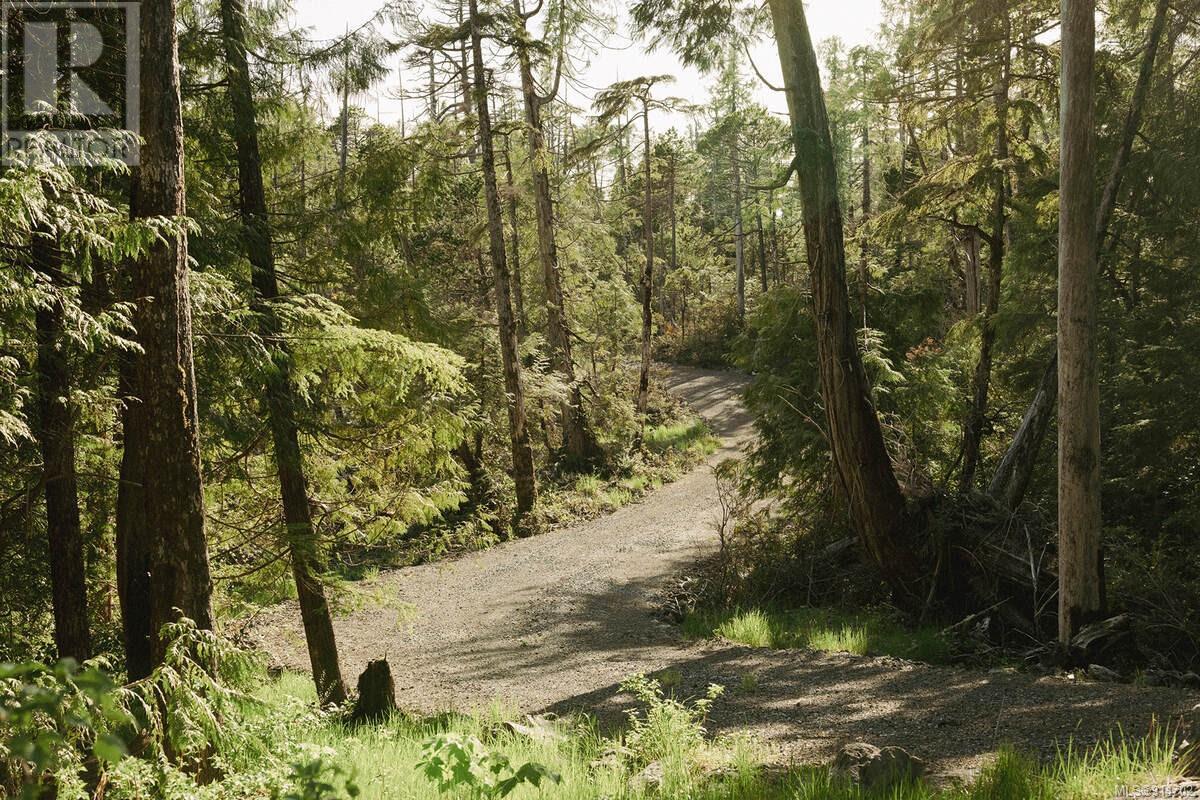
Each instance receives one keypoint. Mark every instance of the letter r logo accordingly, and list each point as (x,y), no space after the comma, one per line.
(85,44)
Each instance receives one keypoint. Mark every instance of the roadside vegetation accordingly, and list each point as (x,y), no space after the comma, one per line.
(235,734)
(864,633)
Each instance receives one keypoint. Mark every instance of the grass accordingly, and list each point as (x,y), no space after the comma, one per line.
(383,760)
(670,450)
(683,436)
(823,629)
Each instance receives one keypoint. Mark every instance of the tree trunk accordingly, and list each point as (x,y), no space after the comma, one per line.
(514,227)
(1016,468)
(981,384)
(1012,478)
(864,267)
(133,542)
(1079,518)
(280,393)
(344,135)
(173,492)
(580,448)
(762,250)
(972,278)
(1133,119)
(739,238)
(522,452)
(647,281)
(860,455)
(68,581)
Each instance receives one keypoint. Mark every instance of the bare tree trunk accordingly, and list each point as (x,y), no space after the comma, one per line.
(522,452)
(972,279)
(981,384)
(739,236)
(1012,478)
(580,448)
(132,545)
(172,488)
(1016,469)
(280,393)
(762,250)
(344,136)
(864,267)
(515,234)
(1079,519)
(860,455)
(56,435)
(643,397)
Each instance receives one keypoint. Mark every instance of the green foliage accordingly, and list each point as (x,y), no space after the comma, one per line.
(318,780)
(453,762)
(52,719)
(666,729)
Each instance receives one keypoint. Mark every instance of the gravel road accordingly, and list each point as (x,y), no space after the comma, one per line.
(554,623)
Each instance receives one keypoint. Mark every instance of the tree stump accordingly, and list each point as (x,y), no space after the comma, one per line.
(376,694)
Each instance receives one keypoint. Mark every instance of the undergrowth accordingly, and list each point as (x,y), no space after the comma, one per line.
(76,731)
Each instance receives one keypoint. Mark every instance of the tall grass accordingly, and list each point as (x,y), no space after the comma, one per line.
(822,629)
(591,766)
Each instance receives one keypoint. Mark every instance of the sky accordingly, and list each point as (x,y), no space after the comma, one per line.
(853,21)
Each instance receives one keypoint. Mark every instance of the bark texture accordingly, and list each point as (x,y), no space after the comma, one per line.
(172,488)
(1079,521)
(280,392)
(132,543)
(56,435)
(860,455)
(522,452)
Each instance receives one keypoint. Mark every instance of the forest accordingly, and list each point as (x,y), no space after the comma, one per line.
(809,421)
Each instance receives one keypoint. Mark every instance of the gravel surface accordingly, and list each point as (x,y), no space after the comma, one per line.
(554,623)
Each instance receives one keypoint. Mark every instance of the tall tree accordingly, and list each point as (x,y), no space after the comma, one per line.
(169,451)
(56,434)
(280,393)
(613,103)
(981,382)
(522,452)
(1080,592)
(580,447)
(860,455)
(1012,477)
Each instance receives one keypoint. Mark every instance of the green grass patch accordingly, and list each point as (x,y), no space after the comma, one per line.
(684,436)
(823,629)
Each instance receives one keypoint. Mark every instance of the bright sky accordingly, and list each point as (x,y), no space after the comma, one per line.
(853,21)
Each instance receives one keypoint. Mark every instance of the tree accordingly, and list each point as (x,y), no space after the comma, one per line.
(981,382)
(1080,594)
(860,456)
(1012,477)
(612,103)
(56,433)
(522,453)
(580,448)
(280,393)
(168,445)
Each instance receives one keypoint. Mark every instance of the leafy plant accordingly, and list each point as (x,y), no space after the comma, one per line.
(52,719)
(453,761)
(319,780)
(667,728)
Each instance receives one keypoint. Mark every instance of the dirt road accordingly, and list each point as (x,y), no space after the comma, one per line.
(557,621)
